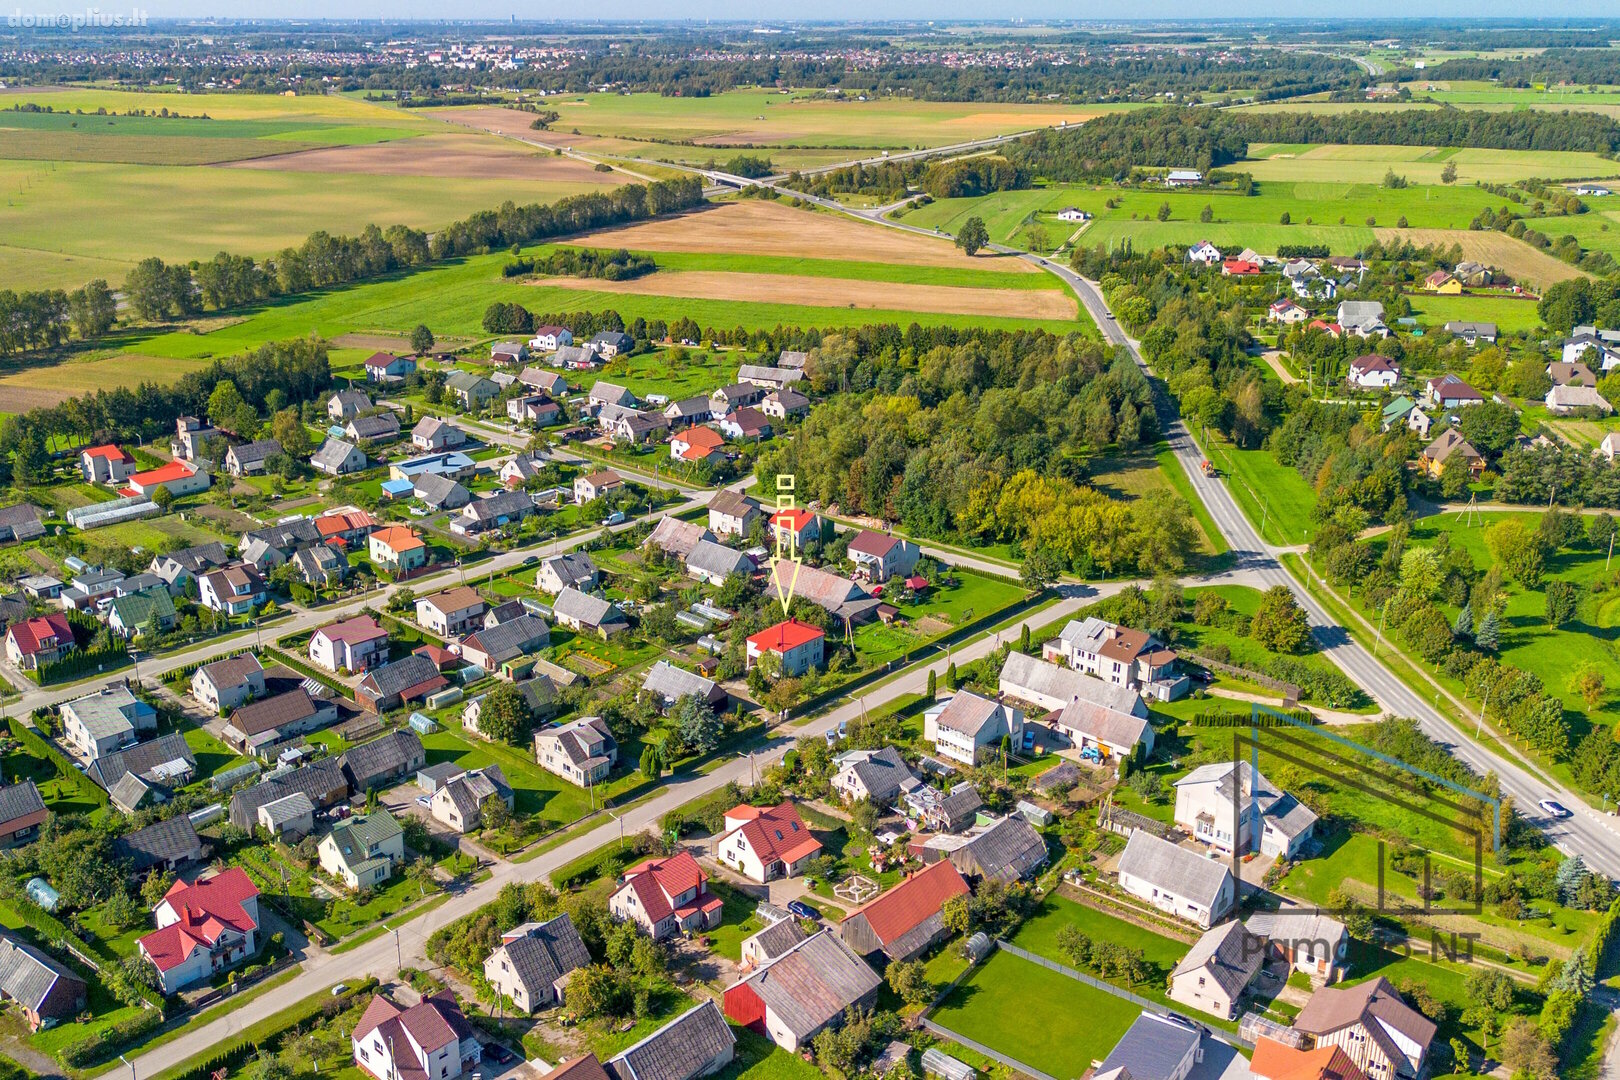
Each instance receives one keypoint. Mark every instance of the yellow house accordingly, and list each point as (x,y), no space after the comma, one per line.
(1443,283)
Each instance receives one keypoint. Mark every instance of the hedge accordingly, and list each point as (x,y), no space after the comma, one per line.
(102,1046)
(1215,718)
(38,745)
(248,1044)
(288,660)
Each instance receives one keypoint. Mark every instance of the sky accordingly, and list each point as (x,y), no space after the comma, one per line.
(836,9)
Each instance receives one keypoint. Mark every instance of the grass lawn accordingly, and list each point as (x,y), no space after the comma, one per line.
(1047,1005)
(971,597)
(1510,315)
(758,1058)
(1276,499)
(1038,934)
(1151,474)
(1246,652)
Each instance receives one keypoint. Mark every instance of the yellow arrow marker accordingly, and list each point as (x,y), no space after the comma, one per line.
(785,595)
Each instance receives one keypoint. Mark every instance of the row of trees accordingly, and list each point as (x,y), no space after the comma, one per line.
(1111,146)
(43,319)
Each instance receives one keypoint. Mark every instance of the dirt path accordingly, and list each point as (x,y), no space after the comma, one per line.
(1273,359)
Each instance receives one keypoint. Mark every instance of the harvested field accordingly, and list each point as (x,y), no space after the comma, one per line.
(374,342)
(42,387)
(755,227)
(1516,257)
(836,292)
(453,156)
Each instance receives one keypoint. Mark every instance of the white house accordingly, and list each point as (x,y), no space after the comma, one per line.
(1073,213)
(1127,658)
(235,590)
(1566,399)
(532,964)
(1374,372)
(581,751)
(111,719)
(1112,733)
(1175,880)
(429,1041)
(1227,807)
(1309,941)
(763,843)
(1218,970)
(1204,252)
(967,727)
(362,851)
(1287,312)
(551,338)
(225,684)
(355,644)
(203,928)
(572,569)
(880,556)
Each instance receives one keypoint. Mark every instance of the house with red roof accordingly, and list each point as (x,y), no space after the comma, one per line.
(1238,268)
(107,464)
(907,919)
(178,476)
(429,1041)
(397,549)
(881,556)
(351,645)
(795,527)
(384,367)
(348,526)
(797,646)
(696,443)
(763,843)
(42,640)
(663,896)
(1332,329)
(203,928)
(1286,311)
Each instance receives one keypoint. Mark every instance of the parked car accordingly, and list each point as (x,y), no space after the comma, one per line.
(802,910)
(615,518)
(424,800)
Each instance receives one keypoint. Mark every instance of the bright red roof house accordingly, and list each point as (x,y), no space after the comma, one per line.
(663,896)
(203,928)
(798,646)
(764,843)
(41,640)
(907,919)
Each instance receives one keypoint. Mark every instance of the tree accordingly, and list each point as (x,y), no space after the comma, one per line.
(1587,681)
(1207,214)
(597,990)
(1462,627)
(933,684)
(1042,566)
(92,309)
(155,887)
(695,724)
(973,236)
(652,765)
(163,498)
(504,715)
(1420,572)
(909,980)
(1285,219)
(1490,630)
(957,915)
(287,428)
(1525,1048)
(421,872)
(421,339)
(1491,988)
(1448,175)
(1517,550)
(1562,598)
(1164,211)
(1035,236)
(1279,622)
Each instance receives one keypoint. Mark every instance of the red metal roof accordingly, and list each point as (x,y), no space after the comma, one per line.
(174,470)
(204,910)
(785,636)
(110,452)
(658,881)
(354,631)
(903,908)
(776,832)
(795,519)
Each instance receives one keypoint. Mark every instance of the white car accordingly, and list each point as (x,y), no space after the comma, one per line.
(1554,809)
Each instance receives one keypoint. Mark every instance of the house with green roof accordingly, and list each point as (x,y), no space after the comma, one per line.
(134,614)
(363,850)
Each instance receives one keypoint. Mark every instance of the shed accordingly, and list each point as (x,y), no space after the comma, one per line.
(423,723)
(434,777)
(1035,815)
(293,814)
(40,892)
(936,1062)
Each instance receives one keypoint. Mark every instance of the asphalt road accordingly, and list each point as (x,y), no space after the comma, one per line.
(1591,834)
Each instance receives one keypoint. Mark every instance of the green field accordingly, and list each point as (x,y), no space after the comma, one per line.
(190,212)
(1276,499)
(1510,315)
(1320,211)
(1339,164)
(450,299)
(1062,1025)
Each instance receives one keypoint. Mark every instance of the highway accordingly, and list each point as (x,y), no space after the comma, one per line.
(1593,835)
